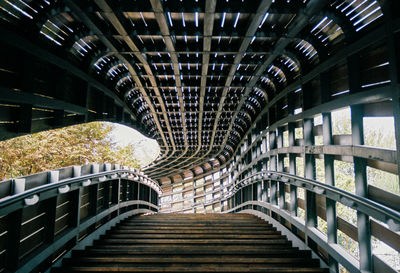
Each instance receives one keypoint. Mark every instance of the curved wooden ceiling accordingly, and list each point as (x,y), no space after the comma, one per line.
(195,73)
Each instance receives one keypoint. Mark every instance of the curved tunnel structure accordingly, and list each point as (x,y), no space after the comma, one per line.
(239,95)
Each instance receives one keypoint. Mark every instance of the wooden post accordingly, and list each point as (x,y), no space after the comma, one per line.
(309,172)
(360,172)
(273,167)
(14,222)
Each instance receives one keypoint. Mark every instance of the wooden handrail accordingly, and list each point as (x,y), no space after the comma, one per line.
(45,222)
(384,227)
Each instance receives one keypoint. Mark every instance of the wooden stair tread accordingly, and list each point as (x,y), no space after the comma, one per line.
(289,253)
(200,265)
(195,269)
(197,241)
(196,259)
(222,247)
(151,224)
(193,251)
(195,236)
(191,231)
(196,215)
(249,228)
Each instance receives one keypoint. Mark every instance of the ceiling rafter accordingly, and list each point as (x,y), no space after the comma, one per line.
(85,18)
(298,24)
(12,39)
(202,158)
(116,22)
(208,30)
(162,22)
(262,9)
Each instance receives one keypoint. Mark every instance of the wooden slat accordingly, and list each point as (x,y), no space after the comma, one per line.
(37,222)
(384,197)
(62,223)
(63,209)
(384,234)
(33,242)
(3,257)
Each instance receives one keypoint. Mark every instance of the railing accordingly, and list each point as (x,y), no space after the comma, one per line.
(263,194)
(44,216)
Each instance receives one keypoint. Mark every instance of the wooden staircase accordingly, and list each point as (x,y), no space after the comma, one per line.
(192,243)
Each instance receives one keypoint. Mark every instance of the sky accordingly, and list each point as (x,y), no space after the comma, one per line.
(146,149)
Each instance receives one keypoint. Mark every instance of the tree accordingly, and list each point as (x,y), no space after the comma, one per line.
(74,145)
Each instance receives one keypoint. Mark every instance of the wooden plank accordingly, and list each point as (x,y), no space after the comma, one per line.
(31,243)
(384,234)
(347,228)
(384,197)
(379,109)
(3,257)
(62,223)
(63,209)
(37,222)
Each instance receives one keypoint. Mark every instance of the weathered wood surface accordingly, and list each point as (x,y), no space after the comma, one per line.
(192,243)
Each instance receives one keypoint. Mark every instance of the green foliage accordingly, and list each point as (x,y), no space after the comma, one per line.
(344,176)
(298,133)
(341,122)
(74,145)
(383,180)
(320,169)
(286,139)
(300,166)
(379,132)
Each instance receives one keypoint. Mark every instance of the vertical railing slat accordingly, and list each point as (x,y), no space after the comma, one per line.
(331,218)
(361,184)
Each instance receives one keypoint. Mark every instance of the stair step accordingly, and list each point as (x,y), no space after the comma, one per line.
(276,235)
(196,241)
(197,259)
(197,215)
(207,224)
(192,220)
(188,265)
(134,227)
(200,249)
(167,220)
(276,253)
(192,231)
(193,269)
